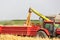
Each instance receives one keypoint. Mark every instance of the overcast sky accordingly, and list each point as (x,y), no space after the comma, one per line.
(18,9)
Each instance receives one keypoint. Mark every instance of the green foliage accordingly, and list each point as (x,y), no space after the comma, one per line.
(17,22)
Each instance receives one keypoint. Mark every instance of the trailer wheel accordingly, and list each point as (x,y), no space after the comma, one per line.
(41,34)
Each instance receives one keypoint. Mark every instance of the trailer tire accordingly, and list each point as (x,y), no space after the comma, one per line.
(41,34)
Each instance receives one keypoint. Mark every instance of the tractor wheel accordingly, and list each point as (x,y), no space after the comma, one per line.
(41,34)
(58,36)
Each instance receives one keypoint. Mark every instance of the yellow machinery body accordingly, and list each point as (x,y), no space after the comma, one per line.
(28,22)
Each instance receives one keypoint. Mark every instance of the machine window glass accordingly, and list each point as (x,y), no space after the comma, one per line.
(47,25)
(57,25)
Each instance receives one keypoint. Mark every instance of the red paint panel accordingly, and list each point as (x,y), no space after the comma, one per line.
(0,29)
(32,31)
(14,30)
(58,31)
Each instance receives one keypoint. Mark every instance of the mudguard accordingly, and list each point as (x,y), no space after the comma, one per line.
(45,30)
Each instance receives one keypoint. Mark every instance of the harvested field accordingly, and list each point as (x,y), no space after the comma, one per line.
(13,37)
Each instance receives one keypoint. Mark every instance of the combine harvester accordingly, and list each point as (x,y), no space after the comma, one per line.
(33,30)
